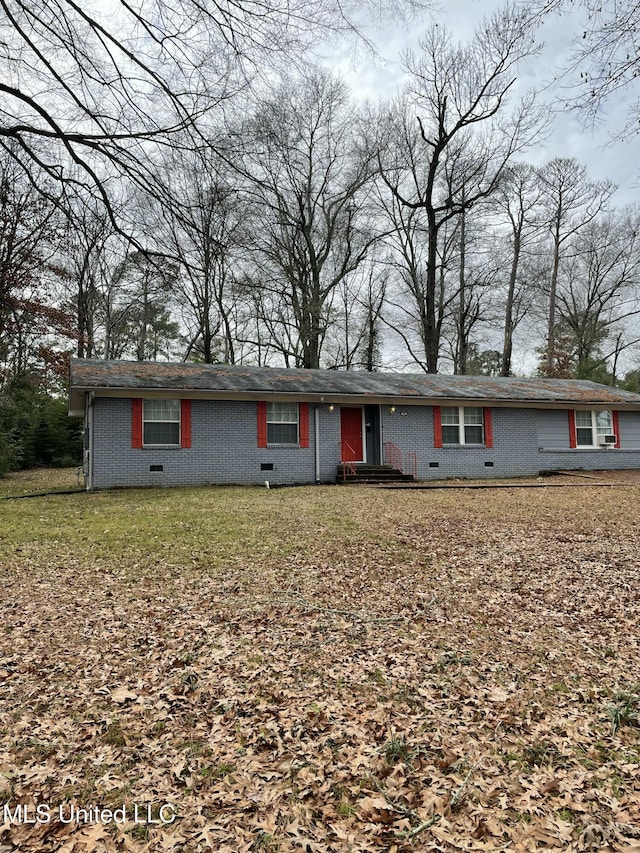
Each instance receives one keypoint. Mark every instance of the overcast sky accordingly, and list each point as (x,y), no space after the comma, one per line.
(604,156)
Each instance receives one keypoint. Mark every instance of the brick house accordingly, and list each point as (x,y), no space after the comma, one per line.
(152,423)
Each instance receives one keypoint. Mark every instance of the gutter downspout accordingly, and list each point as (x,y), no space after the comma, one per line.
(316,438)
(89,426)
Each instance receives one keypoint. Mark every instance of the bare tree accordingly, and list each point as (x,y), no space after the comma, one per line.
(455,91)
(358,336)
(92,248)
(477,276)
(406,235)
(473,269)
(310,177)
(370,344)
(598,292)
(518,198)
(571,202)
(605,58)
(106,87)
(206,232)
(30,237)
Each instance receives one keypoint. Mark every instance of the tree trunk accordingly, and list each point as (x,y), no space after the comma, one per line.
(553,290)
(507,346)
(460,366)
(432,342)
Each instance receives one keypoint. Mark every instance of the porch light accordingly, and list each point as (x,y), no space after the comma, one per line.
(330,407)
(392,410)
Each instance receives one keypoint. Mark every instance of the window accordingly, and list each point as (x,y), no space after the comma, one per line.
(591,424)
(462,425)
(282,423)
(161,422)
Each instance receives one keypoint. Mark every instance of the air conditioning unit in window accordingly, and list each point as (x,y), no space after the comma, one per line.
(608,440)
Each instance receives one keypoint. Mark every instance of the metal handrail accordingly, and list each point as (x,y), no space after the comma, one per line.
(392,455)
(347,465)
(410,463)
(405,461)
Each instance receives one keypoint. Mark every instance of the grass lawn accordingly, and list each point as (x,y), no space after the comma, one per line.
(320,669)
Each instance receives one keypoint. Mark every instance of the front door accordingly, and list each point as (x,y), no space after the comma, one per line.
(351,447)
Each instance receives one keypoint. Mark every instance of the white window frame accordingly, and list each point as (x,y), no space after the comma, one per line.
(461,426)
(147,420)
(272,408)
(596,429)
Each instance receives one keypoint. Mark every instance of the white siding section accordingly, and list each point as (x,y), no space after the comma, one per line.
(553,428)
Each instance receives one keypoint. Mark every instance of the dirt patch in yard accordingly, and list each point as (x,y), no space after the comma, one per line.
(551,479)
(623,478)
(321,669)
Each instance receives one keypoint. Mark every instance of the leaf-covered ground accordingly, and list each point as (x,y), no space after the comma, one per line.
(321,669)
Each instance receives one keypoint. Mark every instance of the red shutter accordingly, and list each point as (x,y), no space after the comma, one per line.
(572,429)
(136,424)
(303,413)
(437,426)
(262,424)
(616,426)
(488,428)
(185,423)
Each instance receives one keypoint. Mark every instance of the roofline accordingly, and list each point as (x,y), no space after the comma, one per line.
(78,391)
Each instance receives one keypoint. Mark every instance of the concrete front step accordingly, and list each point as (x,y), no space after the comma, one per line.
(372,474)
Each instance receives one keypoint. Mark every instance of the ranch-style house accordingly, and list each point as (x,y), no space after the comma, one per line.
(153,423)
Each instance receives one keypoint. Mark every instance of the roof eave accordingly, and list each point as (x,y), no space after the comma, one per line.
(78,392)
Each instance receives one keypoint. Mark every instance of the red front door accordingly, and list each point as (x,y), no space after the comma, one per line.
(351,435)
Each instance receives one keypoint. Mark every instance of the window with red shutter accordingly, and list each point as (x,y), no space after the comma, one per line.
(304,424)
(594,428)
(185,423)
(262,424)
(616,427)
(437,426)
(136,424)
(488,428)
(463,425)
(572,428)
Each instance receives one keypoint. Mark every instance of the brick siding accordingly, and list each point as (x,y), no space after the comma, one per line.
(224,447)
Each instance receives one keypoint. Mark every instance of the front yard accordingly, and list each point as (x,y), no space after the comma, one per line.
(320,669)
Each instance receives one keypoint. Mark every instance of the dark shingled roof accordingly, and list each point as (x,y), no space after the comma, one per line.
(139,376)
